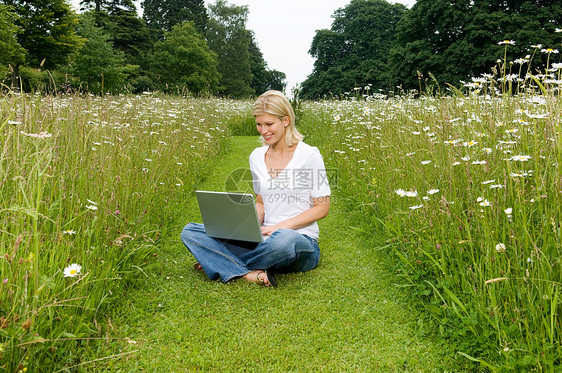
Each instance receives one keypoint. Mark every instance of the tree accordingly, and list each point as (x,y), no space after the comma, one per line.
(263,79)
(456,40)
(10,49)
(354,52)
(183,60)
(230,40)
(164,14)
(127,31)
(47,33)
(97,64)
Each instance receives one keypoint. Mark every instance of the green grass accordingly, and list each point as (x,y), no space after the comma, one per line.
(346,315)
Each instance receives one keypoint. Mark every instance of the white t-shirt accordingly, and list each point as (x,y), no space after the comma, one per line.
(290,192)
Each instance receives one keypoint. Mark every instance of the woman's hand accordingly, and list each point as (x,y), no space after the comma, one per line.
(267,231)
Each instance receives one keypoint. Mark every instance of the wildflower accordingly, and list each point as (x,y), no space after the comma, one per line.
(495,186)
(488,181)
(415,207)
(558,30)
(487,150)
(400,192)
(485,203)
(432,191)
(412,194)
(72,270)
(550,50)
(69,232)
(479,162)
(529,260)
(40,135)
(505,42)
(508,210)
(92,207)
(426,162)
(456,163)
(521,158)
(556,66)
(500,248)
(470,143)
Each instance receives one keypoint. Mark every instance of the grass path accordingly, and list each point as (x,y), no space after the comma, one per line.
(345,316)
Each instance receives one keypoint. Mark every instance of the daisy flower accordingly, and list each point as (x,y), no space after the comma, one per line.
(72,270)
(432,191)
(521,158)
(505,42)
(500,248)
(485,203)
(412,194)
(415,207)
(400,192)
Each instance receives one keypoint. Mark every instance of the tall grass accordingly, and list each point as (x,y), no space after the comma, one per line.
(89,181)
(465,190)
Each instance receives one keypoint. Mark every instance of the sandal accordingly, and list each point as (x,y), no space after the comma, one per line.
(270,279)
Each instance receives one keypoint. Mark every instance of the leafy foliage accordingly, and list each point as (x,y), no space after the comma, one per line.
(162,15)
(184,58)
(230,40)
(354,52)
(10,49)
(97,64)
(47,31)
(458,40)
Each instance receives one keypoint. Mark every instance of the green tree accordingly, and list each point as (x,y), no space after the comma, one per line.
(97,64)
(163,14)
(230,40)
(354,52)
(10,49)
(263,79)
(456,40)
(127,31)
(183,60)
(47,33)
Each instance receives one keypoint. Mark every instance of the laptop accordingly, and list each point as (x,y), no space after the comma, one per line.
(230,216)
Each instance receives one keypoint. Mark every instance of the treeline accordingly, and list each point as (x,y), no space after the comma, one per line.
(374,45)
(177,46)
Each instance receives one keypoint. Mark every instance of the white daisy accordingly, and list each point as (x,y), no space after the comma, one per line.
(72,270)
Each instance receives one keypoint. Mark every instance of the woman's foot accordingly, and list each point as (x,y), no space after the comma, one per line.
(197,267)
(260,277)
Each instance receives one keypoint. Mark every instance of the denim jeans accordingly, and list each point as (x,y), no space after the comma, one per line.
(284,251)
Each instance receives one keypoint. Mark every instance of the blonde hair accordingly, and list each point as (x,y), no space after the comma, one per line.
(275,103)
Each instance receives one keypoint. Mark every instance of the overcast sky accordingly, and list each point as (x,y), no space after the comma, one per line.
(284,30)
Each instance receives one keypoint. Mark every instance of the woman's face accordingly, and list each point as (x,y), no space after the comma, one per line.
(271,128)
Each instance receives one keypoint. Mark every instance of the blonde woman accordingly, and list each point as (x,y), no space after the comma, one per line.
(292,194)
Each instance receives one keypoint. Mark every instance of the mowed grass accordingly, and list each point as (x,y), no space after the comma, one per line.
(347,315)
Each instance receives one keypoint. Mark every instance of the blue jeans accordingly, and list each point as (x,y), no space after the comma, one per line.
(284,251)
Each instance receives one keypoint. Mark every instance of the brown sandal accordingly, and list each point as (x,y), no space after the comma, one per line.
(198,267)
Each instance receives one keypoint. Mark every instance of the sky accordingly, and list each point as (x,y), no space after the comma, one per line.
(284,30)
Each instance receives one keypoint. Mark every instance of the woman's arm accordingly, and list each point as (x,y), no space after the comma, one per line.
(320,208)
(260,209)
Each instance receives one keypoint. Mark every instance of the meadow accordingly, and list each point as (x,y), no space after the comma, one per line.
(466,190)
(460,190)
(88,186)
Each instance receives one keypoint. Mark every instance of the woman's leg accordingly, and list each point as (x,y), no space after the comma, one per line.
(213,255)
(284,251)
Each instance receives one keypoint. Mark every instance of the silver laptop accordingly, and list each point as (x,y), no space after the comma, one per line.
(230,216)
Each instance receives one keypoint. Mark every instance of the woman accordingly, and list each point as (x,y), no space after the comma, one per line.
(292,193)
